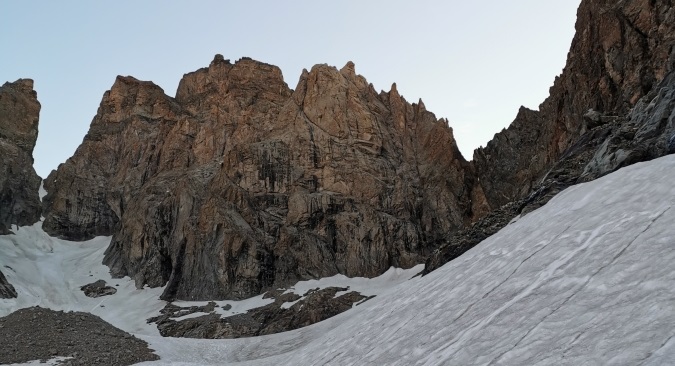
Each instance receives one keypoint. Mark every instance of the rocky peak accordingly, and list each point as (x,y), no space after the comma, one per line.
(240,184)
(23,85)
(20,111)
(217,59)
(246,77)
(145,99)
(348,69)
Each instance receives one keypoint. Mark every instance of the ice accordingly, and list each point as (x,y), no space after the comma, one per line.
(585,280)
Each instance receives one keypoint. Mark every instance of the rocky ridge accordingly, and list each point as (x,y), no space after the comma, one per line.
(611,107)
(240,184)
(620,52)
(645,133)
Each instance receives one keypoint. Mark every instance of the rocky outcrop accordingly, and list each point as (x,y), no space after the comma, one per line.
(646,133)
(98,289)
(620,51)
(314,306)
(7,291)
(19,184)
(240,184)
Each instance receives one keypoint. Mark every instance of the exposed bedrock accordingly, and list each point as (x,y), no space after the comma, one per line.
(239,183)
(19,184)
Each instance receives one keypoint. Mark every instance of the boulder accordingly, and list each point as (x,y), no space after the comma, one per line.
(98,289)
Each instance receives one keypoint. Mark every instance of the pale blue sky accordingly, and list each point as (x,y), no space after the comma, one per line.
(473,62)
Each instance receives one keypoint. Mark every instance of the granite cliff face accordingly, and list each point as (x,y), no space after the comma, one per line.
(19,184)
(621,50)
(239,183)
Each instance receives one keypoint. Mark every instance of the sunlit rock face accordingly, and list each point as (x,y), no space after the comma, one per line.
(239,183)
(621,50)
(19,184)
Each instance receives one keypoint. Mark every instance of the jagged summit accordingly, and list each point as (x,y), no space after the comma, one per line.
(239,183)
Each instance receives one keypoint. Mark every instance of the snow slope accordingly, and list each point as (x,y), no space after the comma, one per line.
(587,279)
(49,272)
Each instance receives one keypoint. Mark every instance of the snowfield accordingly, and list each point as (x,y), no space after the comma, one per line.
(588,279)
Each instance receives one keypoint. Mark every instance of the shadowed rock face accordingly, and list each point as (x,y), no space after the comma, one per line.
(239,183)
(7,291)
(19,184)
(620,51)
(645,133)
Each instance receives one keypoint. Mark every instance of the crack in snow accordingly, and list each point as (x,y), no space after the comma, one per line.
(580,288)
(509,276)
(651,354)
(545,275)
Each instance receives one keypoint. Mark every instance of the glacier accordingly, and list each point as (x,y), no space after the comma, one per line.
(587,279)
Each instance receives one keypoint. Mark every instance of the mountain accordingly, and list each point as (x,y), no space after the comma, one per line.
(243,190)
(240,184)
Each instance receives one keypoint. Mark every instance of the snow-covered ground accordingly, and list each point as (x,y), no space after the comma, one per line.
(49,272)
(587,279)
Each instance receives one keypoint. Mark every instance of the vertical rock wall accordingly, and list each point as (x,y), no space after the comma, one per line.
(19,184)
(239,183)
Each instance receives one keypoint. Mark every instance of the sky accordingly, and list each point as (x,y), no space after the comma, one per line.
(474,63)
